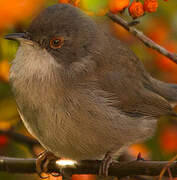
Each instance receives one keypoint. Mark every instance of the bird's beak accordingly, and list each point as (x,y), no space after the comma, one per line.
(15,36)
(21,37)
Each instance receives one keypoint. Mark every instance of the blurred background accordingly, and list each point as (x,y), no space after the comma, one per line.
(160,26)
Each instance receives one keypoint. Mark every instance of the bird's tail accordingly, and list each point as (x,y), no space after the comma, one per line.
(166,90)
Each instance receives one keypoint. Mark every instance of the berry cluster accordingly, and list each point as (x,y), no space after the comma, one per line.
(136,8)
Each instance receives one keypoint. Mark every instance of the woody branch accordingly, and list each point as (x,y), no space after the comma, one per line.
(149,168)
(147,41)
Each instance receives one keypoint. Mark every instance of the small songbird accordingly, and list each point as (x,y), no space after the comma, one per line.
(80,91)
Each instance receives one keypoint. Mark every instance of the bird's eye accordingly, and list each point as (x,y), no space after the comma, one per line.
(57,42)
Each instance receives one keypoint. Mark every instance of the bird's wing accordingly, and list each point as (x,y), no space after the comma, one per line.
(132,96)
(122,75)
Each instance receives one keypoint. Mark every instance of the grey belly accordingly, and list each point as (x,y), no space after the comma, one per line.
(67,138)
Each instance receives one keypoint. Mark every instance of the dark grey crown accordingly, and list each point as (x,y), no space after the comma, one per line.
(63,20)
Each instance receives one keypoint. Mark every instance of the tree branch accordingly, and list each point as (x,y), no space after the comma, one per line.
(149,168)
(20,137)
(147,41)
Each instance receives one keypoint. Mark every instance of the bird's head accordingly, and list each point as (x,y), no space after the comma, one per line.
(64,31)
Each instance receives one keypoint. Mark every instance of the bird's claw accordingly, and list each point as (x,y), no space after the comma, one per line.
(42,162)
(105,164)
(55,174)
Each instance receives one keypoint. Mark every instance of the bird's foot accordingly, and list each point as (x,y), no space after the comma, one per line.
(139,157)
(42,163)
(105,164)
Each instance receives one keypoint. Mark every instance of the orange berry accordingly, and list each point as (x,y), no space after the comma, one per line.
(136,9)
(150,5)
(116,6)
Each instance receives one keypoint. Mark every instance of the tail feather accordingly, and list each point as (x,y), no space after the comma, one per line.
(166,90)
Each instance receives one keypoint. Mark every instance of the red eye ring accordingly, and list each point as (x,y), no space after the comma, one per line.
(56,42)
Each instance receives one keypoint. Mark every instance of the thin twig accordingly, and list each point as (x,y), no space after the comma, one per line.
(149,168)
(170,174)
(166,167)
(147,41)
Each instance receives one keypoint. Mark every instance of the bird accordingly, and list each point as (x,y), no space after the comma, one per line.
(80,91)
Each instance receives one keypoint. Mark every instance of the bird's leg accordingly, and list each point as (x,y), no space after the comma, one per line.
(105,164)
(139,157)
(42,162)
